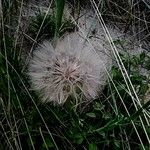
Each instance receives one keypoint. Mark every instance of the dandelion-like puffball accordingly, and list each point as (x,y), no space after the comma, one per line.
(72,68)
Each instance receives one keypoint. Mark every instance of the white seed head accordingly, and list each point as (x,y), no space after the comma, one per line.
(71,69)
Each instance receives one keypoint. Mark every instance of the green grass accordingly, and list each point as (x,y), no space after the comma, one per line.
(114,121)
(59,14)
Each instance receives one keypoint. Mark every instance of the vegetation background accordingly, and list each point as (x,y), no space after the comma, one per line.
(118,120)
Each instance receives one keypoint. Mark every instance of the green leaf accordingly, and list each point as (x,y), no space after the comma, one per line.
(93,146)
(98,106)
(142,56)
(78,139)
(59,13)
(48,142)
(92,115)
(117,144)
(143,89)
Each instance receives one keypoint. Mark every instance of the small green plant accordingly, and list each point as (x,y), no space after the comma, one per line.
(48,29)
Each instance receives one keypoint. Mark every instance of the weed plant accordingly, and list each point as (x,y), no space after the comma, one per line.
(116,120)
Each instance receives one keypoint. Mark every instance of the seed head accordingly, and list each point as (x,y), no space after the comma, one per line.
(71,69)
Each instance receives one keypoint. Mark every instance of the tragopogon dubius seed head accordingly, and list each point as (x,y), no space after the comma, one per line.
(73,68)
